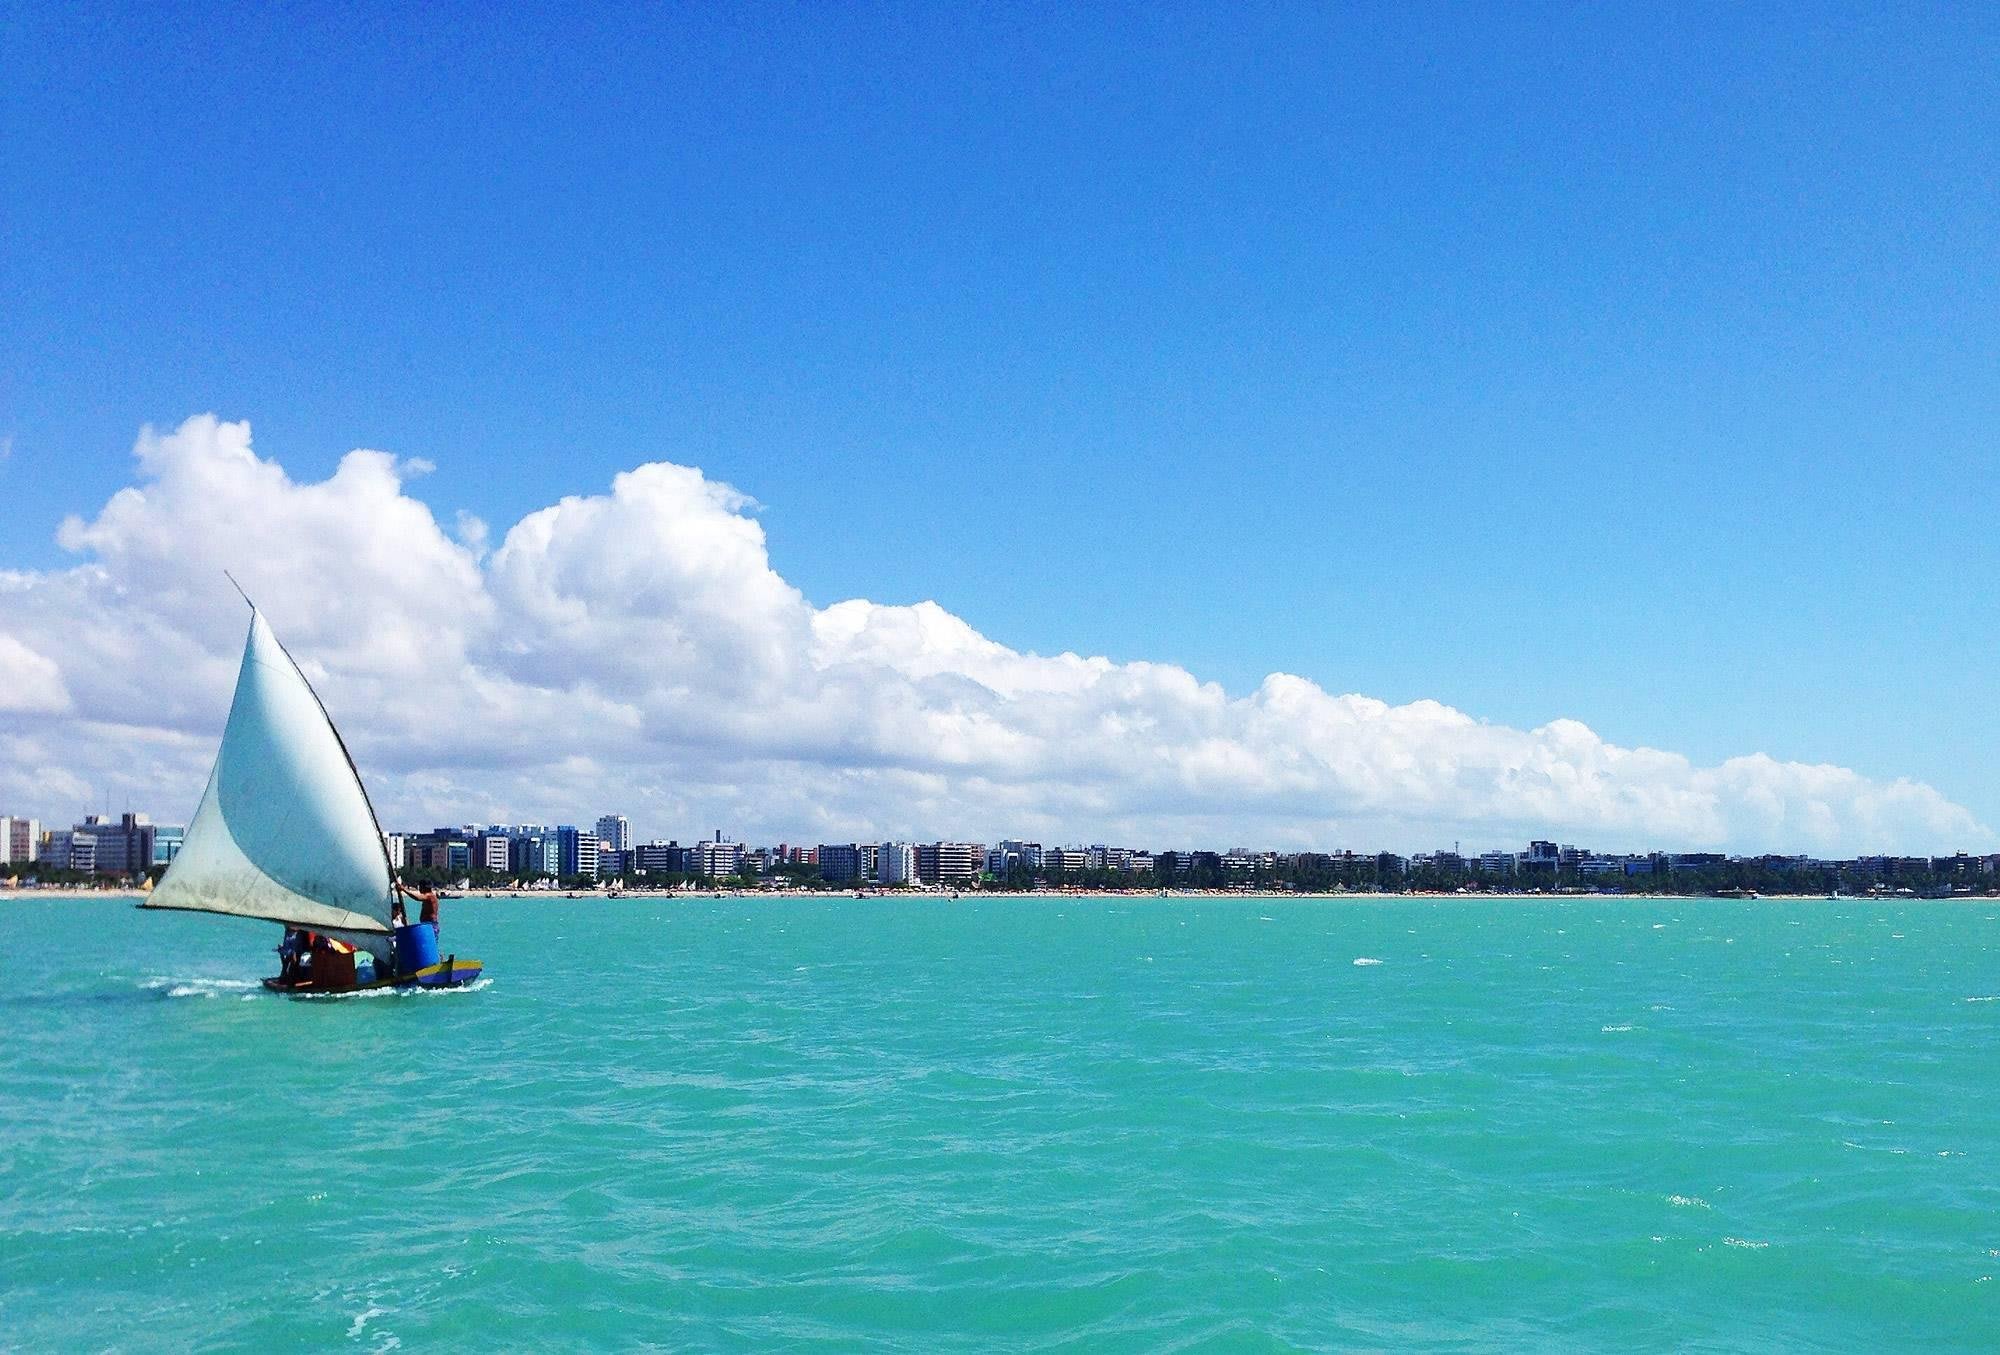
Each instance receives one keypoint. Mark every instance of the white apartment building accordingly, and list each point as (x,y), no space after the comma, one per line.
(717,859)
(896,864)
(958,862)
(490,852)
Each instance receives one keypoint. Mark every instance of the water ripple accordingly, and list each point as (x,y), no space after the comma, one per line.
(1011,1124)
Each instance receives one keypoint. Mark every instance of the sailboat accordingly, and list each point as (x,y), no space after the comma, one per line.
(285,833)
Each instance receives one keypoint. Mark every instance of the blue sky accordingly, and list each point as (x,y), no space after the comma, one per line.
(1634,368)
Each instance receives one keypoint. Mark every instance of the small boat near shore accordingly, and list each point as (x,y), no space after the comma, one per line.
(285,833)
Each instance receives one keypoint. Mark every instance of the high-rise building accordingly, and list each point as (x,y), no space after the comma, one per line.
(616,830)
(576,851)
(107,847)
(493,850)
(533,851)
(68,849)
(453,856)
(444,849)
(842,862)
(896,864)
(1098,856)
(716,859)
(1011,855)
(123,847)
(662,858)
(839,862)
(18,839)
(395,849)
(949,862)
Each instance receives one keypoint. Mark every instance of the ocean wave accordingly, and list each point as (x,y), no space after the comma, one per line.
(1366,960)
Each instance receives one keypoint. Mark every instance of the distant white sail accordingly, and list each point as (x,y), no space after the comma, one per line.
(285,831)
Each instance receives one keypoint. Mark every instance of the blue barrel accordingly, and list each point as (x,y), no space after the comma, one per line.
(416,947)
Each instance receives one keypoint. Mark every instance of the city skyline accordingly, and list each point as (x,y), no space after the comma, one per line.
(527,850)
(1299,426)
(564,855)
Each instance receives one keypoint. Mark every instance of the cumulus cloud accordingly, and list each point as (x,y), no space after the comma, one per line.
(635,650)
(30,684)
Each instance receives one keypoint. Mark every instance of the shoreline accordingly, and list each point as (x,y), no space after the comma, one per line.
(12,893)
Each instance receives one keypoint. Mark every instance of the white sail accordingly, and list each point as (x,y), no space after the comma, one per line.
(284,830)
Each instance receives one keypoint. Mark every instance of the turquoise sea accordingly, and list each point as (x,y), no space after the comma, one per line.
(1015,1124)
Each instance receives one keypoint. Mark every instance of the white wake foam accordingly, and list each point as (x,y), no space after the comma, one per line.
(173,987)
(413,990)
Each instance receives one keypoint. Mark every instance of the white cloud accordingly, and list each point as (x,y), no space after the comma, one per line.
(635,650)
(472,532)
(30,684)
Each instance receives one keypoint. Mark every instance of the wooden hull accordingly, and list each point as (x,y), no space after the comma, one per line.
(452,972)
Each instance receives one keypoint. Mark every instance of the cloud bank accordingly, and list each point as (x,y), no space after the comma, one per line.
(635,651)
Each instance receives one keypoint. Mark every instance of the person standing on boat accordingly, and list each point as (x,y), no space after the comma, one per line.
(427,899)
(288,954)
